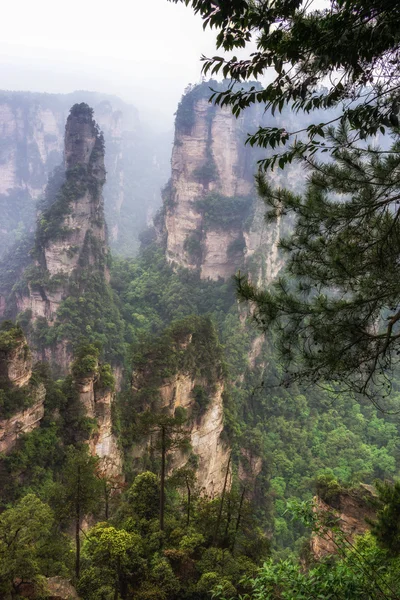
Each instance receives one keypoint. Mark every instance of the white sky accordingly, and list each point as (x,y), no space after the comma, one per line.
(145,51)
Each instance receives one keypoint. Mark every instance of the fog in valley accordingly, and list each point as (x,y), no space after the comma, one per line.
(144,52)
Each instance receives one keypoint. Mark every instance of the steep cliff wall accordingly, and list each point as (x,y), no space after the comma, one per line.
(32,142)
(63,299)
(213,220)
(21,395)
(204,430)
(212,217)
(183,370)
(71,231)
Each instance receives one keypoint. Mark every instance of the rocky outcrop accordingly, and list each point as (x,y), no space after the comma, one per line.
(22,422)
(71,234)
(59,588)
(213,221)
(350,510)
(32,127)
(17,388)
(207,158)
(16,361)
(85,174)
(54,588)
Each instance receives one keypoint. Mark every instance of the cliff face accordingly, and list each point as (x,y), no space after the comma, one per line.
(97,400)
(84,219)
(213,220)
(32,143)
(204,431)
(22,398)
(64,294)
(212,217)
(183,370)
(22,422)
(350,510)
(23,395)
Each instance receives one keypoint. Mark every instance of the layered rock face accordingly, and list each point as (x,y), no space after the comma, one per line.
(84,163)
(205,431)
(16,362)
(22,422)
(16,383)
(212,218)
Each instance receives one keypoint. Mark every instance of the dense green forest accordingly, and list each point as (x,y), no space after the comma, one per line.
(169,433)
(300,435)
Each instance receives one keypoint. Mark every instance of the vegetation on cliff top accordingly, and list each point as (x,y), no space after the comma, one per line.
(71,187)
(11,336)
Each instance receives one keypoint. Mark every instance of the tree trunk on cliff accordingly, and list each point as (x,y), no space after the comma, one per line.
(162,490)
(188,503)
(78,525)
(117,581)
(228,522)
(106,500)
(239,518)
(218,523)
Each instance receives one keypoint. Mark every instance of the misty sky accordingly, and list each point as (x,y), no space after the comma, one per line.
(145,51)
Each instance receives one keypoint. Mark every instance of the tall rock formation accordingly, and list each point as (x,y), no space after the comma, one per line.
(183,370)
(63,299)
(210,201)
(32,143)
(95,385)
(213,220)
(71,230)
(64,295)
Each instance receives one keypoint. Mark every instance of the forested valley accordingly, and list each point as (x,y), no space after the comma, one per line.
(199,343)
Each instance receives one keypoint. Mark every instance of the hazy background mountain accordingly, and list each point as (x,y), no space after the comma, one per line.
(133,50)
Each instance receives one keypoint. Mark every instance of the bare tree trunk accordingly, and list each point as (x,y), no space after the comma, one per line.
(239,518)
(188,503)
(162,491)
(78,526)
(218,524)
(106,500)
(228,520)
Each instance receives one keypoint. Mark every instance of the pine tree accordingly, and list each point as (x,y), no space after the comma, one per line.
(170,434)
(337,308)
(81,492)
